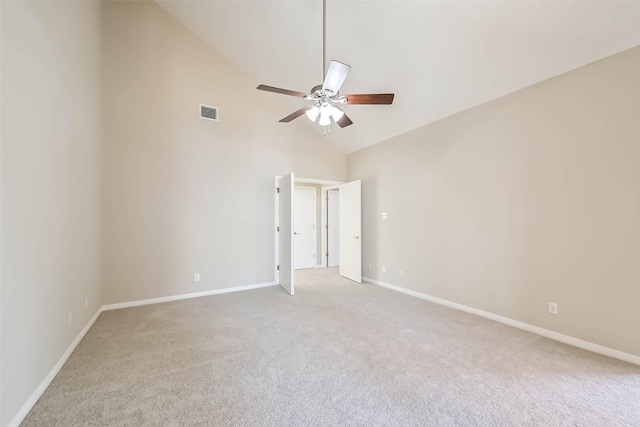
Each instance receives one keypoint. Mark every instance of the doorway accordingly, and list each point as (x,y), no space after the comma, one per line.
(348,228)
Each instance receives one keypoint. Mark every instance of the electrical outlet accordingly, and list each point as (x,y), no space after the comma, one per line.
(553,308)
(197,277)
(70,315)
(384,269)
(384,215)
(86,302)
(401,273)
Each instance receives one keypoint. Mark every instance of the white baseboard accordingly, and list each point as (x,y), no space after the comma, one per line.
(185,296)
(319,266)
(22,413)
(585,345)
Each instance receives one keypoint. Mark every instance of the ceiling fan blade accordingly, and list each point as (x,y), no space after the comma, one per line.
(336,74)
(282,91)
(370,98)
(344,121)
(296,114)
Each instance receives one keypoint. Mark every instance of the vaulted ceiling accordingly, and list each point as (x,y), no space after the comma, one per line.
(438,57)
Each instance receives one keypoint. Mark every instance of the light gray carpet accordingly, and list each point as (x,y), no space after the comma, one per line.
(337,353)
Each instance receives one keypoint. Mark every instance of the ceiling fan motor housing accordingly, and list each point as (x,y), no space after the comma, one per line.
(325,97)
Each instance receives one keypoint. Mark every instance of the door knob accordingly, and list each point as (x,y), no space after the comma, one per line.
(295,234)
(356,237)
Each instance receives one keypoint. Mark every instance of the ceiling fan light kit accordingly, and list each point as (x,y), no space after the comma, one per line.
(313,113)
(323,109)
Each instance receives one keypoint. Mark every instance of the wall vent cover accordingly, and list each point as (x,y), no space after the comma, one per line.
(208,112)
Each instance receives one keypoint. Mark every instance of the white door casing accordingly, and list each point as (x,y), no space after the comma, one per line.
(333,227)
(286,219)
(304,239)
(349,211)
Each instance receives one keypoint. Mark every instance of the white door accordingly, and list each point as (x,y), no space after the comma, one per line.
(333,227)
(304,236)
(285,233)
(349,211)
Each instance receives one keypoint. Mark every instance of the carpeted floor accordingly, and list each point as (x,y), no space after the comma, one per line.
(337,353)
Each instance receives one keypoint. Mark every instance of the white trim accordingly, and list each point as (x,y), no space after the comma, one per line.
(319,266)
(185,296)
(325,182)
(28,405)
(317,181)
(576,342)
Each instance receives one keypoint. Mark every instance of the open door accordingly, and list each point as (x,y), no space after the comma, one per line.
(349,212)
(285,235)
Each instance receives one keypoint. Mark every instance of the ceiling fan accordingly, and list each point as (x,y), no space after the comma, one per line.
(326,98)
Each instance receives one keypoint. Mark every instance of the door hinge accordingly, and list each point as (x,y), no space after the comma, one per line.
(278,268)
(327,226)
(277,189)
(278,229)
(327,254)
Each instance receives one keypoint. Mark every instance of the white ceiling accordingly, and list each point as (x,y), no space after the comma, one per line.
(438,57)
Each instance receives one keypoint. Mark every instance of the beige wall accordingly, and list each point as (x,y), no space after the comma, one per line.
(185,195)
(101,137)
(527,199)
(51,208)
(533,197)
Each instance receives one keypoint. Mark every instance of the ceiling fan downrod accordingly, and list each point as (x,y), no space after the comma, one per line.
(324,52)
(324,39)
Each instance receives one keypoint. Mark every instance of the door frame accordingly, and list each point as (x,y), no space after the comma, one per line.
(315,222)
(329,184)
